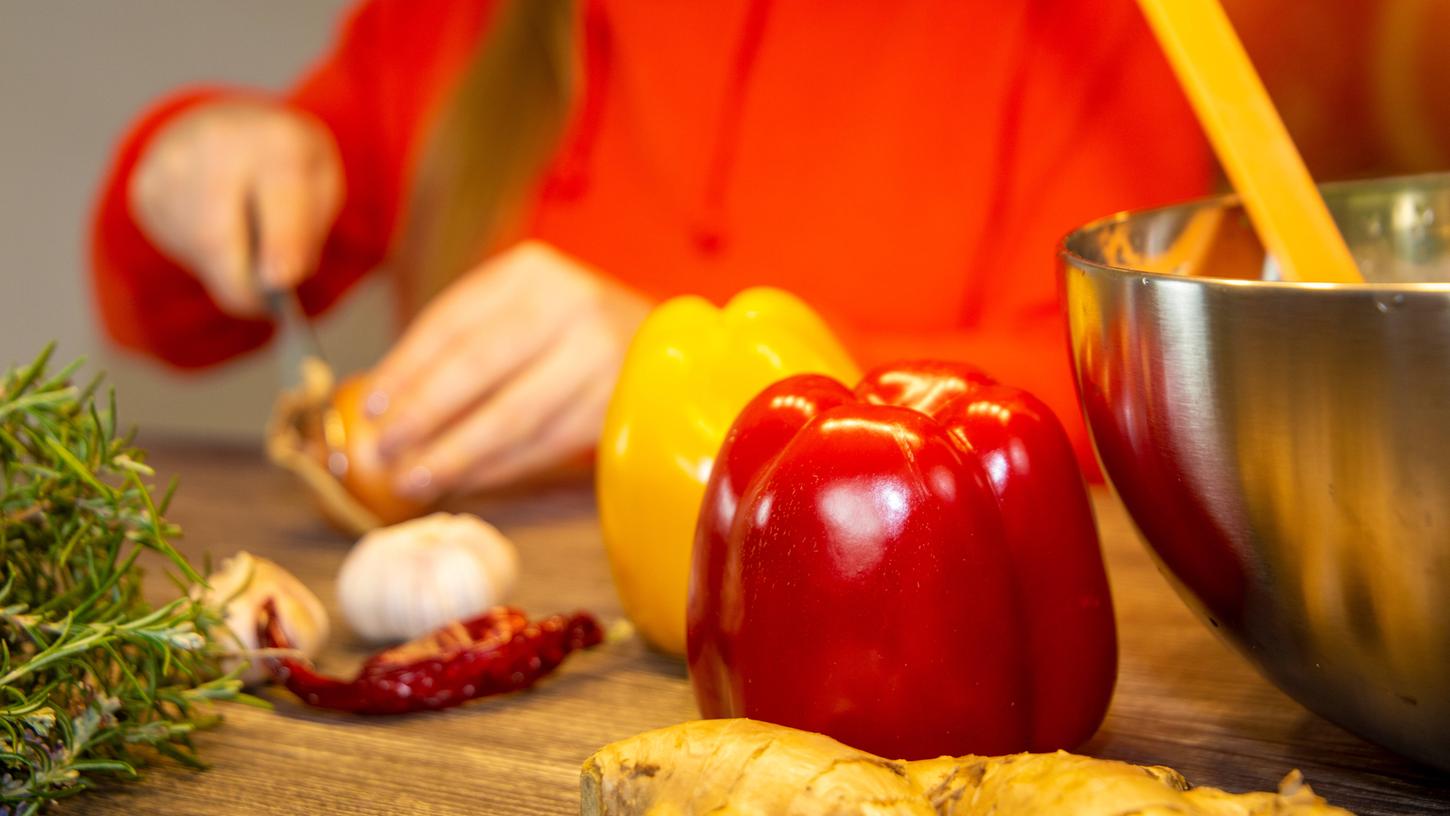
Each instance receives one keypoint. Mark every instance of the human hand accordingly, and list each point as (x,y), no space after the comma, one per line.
(506,373)
(204,175)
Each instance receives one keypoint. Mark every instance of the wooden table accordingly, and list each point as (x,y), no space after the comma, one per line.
(1184,699)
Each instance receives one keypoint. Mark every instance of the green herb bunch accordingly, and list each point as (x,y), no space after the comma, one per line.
(93,680)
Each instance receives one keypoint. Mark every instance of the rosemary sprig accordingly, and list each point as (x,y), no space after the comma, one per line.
(93,680)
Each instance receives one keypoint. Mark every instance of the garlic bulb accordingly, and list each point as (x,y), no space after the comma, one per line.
(406,580)
(244,583)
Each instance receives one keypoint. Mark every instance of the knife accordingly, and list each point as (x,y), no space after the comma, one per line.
(298,349)
(296,340)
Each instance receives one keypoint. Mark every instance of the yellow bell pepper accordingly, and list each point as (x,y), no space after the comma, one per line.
(689,371)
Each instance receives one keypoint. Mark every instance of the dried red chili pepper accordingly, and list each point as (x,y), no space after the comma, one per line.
(497,652)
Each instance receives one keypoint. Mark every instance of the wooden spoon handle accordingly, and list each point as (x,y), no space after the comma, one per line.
(1251,140)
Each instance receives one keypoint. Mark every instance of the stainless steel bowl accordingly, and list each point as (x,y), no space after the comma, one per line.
(1285,448)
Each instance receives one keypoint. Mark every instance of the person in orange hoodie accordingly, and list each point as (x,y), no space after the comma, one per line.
(534,175)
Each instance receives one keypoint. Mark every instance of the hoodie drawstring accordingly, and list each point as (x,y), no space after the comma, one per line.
(709,231)
(570,178)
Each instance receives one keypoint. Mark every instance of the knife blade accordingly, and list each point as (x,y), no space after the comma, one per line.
(296,339)
(297,342)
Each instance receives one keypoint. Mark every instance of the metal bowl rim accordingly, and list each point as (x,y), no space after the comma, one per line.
(1386,184)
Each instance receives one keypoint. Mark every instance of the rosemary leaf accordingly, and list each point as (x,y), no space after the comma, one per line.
(93,680)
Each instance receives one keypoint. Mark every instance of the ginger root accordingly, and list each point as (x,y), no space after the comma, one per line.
(737,767)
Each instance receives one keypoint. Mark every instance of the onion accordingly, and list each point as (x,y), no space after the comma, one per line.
(347,478)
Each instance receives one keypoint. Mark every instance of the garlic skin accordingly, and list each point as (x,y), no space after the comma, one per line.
(244,583)
(407,580)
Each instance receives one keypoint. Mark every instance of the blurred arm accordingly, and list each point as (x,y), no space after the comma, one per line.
(392,63)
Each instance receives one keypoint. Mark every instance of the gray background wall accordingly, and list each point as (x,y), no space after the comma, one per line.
(73,73)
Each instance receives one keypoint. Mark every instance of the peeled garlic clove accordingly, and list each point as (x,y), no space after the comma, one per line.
(404,581)
(247,581)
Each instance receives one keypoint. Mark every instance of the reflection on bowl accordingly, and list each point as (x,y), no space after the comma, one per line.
(1285,448)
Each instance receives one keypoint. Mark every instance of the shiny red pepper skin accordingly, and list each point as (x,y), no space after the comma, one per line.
(497,652)
(911,567)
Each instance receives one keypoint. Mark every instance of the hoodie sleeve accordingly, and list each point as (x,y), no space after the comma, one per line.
(391,64)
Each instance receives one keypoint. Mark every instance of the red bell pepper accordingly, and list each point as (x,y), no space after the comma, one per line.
(911,567)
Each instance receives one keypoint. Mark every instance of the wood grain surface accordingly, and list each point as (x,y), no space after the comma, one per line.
(1183,699)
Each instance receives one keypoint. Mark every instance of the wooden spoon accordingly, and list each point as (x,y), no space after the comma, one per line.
(1251,141)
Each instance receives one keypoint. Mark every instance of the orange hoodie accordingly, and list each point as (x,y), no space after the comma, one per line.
(907,166)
